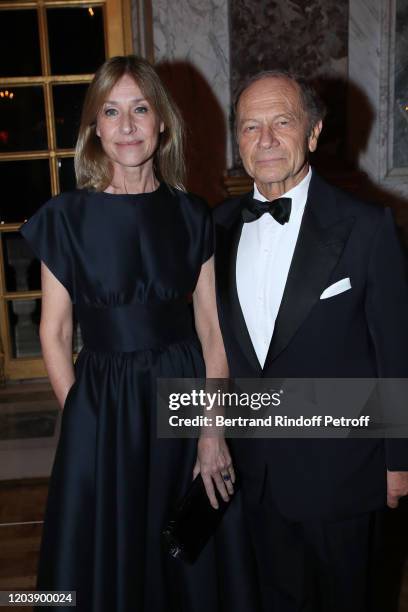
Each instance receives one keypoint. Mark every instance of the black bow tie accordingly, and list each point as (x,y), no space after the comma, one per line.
(279,209)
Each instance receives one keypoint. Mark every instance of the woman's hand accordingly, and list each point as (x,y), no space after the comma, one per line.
(213,457)
(215,465)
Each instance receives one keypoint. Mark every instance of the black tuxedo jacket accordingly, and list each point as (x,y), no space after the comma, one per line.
(360,333)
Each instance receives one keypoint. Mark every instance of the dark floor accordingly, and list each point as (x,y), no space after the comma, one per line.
(21,511)
(23,502)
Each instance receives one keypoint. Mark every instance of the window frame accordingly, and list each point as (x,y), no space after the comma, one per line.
(119,40)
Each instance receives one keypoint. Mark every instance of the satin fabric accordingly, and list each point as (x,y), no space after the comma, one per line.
(129,263)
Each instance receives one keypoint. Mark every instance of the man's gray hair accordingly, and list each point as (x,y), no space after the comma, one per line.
(312,104)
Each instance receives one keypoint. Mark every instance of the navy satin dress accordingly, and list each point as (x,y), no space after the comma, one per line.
(129,263)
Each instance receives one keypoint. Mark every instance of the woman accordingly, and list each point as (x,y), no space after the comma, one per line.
(126,249)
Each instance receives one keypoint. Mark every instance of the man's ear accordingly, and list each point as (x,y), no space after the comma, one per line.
(314,136)
(97,131)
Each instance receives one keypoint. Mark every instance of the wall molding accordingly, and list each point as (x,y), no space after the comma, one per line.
(142,27)
(371,71)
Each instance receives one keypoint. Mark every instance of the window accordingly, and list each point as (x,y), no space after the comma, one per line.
(49,51)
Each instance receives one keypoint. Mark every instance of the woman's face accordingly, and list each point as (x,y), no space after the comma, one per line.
(128,126)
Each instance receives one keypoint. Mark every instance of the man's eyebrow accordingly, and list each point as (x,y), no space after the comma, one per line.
(289,114)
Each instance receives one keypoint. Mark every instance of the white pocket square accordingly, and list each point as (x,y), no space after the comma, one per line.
(336,288)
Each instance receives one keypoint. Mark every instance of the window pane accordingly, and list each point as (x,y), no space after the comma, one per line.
(22,119)
(25,186)
(76,39)
(66,173)
(68,100)
(22,268)
(24,321)
(19,44)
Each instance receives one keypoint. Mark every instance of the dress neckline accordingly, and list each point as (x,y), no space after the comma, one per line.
(131,196)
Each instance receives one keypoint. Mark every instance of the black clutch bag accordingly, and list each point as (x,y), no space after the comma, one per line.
(193,522)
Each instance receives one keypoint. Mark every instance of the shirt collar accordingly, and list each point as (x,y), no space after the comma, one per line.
(297,193)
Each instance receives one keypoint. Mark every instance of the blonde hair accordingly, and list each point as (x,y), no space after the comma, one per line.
(92,167)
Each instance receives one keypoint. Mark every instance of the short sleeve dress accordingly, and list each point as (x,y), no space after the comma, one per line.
(129,264)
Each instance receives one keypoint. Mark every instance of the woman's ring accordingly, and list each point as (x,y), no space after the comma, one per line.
(226,477)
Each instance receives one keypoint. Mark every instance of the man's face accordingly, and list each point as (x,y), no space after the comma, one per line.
(273,134)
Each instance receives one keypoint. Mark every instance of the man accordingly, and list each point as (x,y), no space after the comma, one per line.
(310,283)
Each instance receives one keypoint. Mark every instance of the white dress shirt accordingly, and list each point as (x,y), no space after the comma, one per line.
(264,256)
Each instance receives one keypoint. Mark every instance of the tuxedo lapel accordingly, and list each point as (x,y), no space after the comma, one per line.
(321,241)
(227,240)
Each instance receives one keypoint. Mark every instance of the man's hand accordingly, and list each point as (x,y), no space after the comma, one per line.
(397,486)
(215,464)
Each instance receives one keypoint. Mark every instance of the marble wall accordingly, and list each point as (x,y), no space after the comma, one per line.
(400,128)
(191,46)
(378,124)
(305,36)
(205,48)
